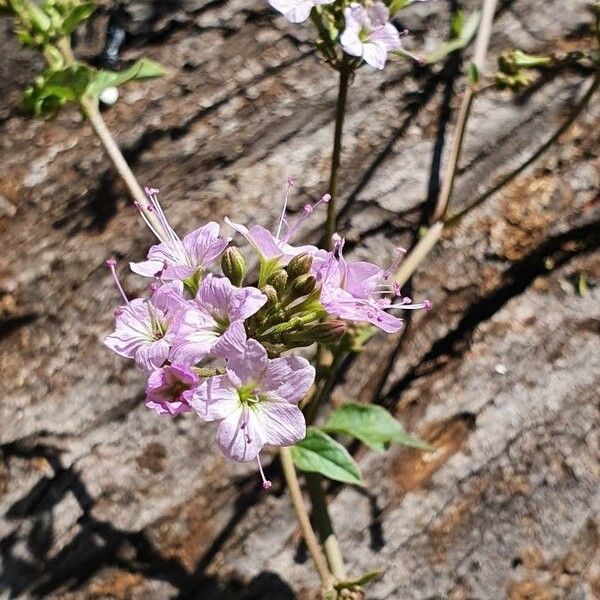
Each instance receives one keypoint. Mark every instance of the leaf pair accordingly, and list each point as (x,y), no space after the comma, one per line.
(318,452)
(55,87)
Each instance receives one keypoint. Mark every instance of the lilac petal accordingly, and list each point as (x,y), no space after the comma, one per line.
(250,366)
(374,54)
(193,336)
(361,278)
(259,238)
(148,268)
(203,245)
(218,296)
(152,356)
(170,297)
(283,424)
(379,14)
(232,438)
(289,377)
(232,342)
(387,37)
(133,329)
(177,272)
(295,11)
(215,398)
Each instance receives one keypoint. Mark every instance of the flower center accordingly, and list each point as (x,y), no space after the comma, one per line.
(249,395)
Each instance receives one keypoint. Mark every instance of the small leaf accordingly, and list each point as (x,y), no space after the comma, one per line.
(80,13)
(467,32)
(142,69)
(397,5)
(473,74)
(372,425)
(319,453)
(358,581)
(582,285)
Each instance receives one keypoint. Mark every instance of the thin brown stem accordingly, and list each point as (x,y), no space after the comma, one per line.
(89,106)
(312,543)
(481,46)
(340,113)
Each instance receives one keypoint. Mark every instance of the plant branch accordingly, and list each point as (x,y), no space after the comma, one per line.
(577,110)
(312,544)
(89,106)
(481,46)
(430,239)
(324,526)
(340,112)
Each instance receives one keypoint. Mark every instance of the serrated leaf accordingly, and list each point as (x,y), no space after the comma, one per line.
(372,425)
(142,69)
(320,453)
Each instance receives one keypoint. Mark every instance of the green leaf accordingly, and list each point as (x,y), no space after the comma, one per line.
(372,425)
(319,453)
(142,69)
(80,13)
(397,5)
(467,32)
(358,581)
(582,285)
(55,87)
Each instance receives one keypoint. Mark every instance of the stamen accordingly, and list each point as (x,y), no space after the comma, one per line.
(398,254)
(148,223)
(265,482)
(111,263)
(308,210)
(291,182)
(155,207)
(426,305)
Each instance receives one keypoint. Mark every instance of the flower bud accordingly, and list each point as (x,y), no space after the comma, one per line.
(271,294)
(328,332)
(304,284)
(299,265)
(278,279)
(233,265)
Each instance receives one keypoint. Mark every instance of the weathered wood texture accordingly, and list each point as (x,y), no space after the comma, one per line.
(101,499)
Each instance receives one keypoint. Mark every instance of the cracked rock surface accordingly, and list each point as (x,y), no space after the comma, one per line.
(99,498)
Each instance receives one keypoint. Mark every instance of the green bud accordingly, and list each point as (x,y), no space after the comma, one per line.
(304,284)
(328,332)
(271,294)
(233,265)
(278,279)
(299,265)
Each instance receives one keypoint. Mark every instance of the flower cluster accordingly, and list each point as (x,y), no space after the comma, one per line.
(212,345)
(366,30)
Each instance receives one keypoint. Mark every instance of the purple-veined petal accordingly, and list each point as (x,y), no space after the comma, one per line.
(283,424)
(248,367)
(152,356)
(232,342)
(203,245)
(193,336)
(240,435)
(387,37)
(374,54)
(290,377)
(215,398)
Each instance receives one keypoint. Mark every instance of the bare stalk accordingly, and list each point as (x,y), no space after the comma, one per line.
(430,239)
(312,544)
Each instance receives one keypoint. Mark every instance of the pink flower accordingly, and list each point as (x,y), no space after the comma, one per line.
(358,290)
(175,259)
(212,323)
(170,388)
(369,34)
(296,11)
(140,333)
(275,250)
(255,402)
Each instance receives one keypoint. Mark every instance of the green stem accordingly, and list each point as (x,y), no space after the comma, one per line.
(340,112)
(324,526)
(89,107)
(312,544)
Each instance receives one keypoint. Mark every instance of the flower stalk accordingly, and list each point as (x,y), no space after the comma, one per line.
(340,113)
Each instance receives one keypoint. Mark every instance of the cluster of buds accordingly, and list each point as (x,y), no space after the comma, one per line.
(211,343)
(361,30)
